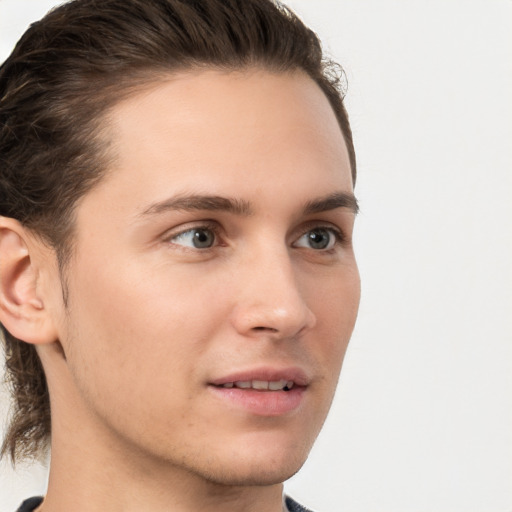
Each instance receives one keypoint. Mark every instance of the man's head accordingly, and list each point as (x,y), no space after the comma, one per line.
(176,187)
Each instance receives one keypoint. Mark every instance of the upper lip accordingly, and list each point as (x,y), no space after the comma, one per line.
(271,374)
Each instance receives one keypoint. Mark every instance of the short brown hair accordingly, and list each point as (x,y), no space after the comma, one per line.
(63,75)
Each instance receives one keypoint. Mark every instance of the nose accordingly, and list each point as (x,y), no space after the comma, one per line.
(269,301)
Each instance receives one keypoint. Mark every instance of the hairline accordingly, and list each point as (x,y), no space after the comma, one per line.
(145,80)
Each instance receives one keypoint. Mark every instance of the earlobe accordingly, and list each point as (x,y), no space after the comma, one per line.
(22,310)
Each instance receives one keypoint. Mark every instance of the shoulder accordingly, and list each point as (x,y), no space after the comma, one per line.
(293,506)
(30,504)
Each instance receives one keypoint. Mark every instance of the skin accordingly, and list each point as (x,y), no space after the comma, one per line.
(152,320)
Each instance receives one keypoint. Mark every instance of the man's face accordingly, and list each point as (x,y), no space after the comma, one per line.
(215,257)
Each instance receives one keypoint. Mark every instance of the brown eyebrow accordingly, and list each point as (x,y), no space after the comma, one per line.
(200,202)
(331,202)
(242,207)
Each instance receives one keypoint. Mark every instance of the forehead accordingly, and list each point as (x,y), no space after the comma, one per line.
(229,132)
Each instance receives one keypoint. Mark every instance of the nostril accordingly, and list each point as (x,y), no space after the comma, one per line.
(270,329)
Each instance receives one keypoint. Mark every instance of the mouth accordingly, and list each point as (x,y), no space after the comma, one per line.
(260,385)
(262,392)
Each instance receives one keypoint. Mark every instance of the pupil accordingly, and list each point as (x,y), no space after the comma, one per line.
(319,239)
(203,238)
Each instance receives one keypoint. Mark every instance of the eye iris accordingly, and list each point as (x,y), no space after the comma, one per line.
(203,238)
(319,238)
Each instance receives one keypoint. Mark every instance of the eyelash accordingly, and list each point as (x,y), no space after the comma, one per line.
(338,234)
(210,226)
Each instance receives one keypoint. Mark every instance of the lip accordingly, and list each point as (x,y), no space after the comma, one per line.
(262,402)
(298,375)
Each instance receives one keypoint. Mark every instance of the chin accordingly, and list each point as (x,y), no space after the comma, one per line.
(261,475)
(256,467)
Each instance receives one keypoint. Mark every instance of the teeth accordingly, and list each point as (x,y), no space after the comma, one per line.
(260,384)
(276,385)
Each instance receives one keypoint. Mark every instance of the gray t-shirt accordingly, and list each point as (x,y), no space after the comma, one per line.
(289,505)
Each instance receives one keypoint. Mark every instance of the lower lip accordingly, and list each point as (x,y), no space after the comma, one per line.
(262,403)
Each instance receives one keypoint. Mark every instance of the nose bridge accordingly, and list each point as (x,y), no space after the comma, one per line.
(271,300)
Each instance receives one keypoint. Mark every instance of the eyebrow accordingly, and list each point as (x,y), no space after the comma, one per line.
(333,201)
(200,202)
(243,208)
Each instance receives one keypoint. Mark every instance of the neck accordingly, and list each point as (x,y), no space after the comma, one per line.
(84,478)
(93,468)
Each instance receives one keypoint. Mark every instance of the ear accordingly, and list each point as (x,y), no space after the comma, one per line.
(22,308)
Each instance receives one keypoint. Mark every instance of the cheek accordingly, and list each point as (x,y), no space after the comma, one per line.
(334,298)
(335,305)
(136,332)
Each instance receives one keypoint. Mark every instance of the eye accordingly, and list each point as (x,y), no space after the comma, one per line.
(197,238)
(319,239)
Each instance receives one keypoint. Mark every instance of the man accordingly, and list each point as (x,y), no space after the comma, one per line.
(178,284)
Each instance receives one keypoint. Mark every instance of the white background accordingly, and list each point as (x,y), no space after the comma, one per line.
(423,417)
